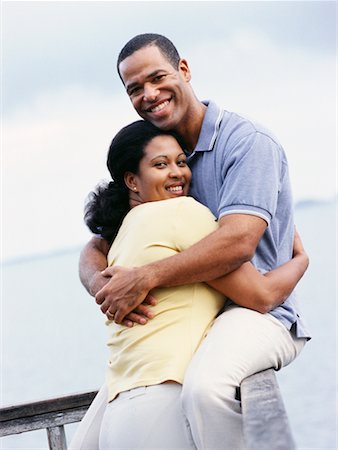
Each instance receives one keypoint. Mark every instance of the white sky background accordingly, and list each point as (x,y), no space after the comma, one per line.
(62,101)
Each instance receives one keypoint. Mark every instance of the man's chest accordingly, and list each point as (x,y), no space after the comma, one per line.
(207,178)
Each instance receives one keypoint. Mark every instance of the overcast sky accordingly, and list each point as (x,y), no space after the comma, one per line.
(273,61)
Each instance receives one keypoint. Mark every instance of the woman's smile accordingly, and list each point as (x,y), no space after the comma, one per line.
(163,172)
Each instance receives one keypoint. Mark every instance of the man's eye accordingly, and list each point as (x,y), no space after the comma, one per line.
(159,77)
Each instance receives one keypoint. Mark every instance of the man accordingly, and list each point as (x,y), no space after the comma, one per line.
(240,172)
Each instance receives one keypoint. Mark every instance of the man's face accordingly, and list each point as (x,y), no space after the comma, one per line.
(159,93)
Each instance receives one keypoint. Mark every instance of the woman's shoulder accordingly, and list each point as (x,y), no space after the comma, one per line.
(190,205)
(182,207)
(184,201)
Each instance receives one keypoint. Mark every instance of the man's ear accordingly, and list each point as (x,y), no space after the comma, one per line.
(131,181)
(183,68)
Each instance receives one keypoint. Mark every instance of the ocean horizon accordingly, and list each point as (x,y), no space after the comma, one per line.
(53,337)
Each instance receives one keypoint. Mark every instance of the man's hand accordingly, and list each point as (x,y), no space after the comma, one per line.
(122,297)
(97,282)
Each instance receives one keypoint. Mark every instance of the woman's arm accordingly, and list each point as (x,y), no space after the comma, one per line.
(249,288)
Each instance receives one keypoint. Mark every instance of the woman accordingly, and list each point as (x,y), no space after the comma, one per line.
(146,215)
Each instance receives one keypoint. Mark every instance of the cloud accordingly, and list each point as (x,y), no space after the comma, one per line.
(291,91)
(54,147)
(54,153)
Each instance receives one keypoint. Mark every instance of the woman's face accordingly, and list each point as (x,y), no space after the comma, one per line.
(163,172)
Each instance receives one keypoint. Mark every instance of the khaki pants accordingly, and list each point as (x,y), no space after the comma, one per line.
(240,343)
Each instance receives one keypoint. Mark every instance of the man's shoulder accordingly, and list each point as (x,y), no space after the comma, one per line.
(236,126)
(239,126)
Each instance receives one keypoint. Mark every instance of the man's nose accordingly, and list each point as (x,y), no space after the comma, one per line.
(150,92)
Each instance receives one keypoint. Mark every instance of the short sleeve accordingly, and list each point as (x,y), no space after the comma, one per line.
(193,222)
(252,177)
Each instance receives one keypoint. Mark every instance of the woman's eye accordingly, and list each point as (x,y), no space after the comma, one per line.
(160,164)
(182,163)
(134,91)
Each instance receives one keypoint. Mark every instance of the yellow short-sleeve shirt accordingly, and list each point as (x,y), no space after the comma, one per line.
(162,349)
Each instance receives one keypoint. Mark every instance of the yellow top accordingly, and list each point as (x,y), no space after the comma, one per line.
(162,349)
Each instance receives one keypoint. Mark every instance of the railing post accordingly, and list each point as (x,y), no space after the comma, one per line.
(57,438)
(265,422)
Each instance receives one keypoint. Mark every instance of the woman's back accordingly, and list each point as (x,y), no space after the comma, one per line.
(161,350)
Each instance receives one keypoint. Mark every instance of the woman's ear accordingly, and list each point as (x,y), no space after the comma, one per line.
(131,182)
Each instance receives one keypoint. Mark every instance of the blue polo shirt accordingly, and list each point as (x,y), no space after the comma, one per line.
(240,168)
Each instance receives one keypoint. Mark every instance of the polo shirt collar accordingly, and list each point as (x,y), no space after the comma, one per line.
(210,127)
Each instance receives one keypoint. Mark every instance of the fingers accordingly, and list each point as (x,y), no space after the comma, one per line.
(107,305)
(100,296)
(108,272)
(121,314)
(136,318)
(139,315)
(126,322)
(143,310)
(130,319)
(110,315)
(150,300)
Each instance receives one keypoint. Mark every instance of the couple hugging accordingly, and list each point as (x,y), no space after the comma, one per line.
(197,229)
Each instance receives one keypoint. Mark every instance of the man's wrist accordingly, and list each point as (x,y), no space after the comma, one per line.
(149,275)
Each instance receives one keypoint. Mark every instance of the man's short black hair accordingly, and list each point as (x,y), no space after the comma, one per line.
(166,47)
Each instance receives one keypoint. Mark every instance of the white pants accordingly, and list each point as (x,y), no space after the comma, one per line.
(240,343)
(87,433)
(146,418)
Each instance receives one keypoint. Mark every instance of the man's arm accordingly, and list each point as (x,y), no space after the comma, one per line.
(217,254)
(247,287)
(93,260)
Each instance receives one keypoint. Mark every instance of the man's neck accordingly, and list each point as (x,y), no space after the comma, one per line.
(191,127)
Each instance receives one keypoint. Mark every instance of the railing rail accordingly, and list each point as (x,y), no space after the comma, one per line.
(265,420)
(51,414)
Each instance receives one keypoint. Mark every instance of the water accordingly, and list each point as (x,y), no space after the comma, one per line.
(54,337)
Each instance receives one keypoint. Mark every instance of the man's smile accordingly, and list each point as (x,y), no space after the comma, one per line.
(159,106)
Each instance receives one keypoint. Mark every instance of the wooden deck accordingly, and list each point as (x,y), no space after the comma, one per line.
(266,426)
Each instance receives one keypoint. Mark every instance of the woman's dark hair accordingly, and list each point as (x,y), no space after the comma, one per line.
(107,206)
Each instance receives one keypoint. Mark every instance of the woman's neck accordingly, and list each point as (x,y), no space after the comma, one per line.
(134,200)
